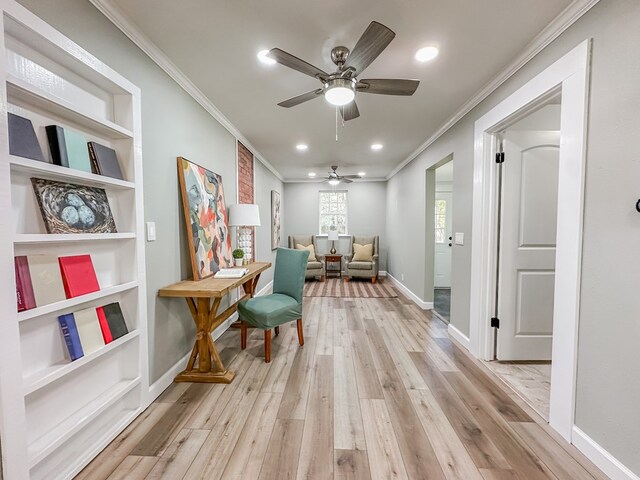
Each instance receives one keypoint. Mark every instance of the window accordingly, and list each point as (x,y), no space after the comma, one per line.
(333,211)
(441,221)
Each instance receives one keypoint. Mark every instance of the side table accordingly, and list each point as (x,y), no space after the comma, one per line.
(335,258)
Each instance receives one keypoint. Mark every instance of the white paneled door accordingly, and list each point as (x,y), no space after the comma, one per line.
(442,261)
(528,245)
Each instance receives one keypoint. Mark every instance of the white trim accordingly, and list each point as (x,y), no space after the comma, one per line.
(570,74)
(122,22)
(417,300)
(320,180)
(606,462)
(458,336)
(266,290)
(553,30)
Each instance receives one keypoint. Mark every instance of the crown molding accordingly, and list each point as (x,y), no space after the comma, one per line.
(553,30)
(116,16)
(323,180)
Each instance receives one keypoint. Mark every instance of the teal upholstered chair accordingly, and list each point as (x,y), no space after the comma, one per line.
(283,305)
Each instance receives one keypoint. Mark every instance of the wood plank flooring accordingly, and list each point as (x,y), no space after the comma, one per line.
(378,391)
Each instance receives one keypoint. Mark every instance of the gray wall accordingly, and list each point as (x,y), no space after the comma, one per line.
(366,207)
(173,124)
(608,390)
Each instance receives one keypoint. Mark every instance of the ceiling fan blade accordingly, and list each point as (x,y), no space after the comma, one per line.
(305,97)
(291,61)
(371,44)
(345,180)
(351,176)
(388,86)
(349,111)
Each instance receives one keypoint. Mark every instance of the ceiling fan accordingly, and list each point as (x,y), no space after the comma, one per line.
(339,88)
(334,179)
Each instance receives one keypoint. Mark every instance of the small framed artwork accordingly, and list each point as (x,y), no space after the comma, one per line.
(275,219)
(69,208)
(206,219)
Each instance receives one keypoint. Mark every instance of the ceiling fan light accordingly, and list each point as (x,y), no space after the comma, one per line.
(334,181)
(339,91)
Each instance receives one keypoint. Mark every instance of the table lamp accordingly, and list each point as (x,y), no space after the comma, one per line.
(333,236)
(243,216)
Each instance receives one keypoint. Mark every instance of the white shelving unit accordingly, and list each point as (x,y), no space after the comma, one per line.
(56,415)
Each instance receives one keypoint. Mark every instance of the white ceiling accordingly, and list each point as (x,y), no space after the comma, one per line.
(215,44)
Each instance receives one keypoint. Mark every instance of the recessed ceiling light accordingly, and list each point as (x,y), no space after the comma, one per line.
(427,53)
(361,174)
(376,146)
(262,56)
(312,174)
(302,147)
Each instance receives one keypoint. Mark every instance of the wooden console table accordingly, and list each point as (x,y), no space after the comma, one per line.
(203,298)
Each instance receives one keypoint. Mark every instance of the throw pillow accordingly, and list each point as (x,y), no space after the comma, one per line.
(312,251)
(362,253)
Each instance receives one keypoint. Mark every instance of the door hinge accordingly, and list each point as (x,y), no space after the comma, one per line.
(500,157)
(495,322)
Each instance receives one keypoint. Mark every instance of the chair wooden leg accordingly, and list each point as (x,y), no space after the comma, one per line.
(277,330)
(373,280)
(243,335)
(323,278)
(267,346)
(346,278)
(300,334)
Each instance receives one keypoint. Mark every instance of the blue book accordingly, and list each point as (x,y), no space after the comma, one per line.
(71,337)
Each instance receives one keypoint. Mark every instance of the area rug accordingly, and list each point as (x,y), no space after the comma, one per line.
(337,287)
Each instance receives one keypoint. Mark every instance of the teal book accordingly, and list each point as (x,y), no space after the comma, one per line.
(68,148)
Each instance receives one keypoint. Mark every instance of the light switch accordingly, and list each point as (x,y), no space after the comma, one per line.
(151,231)
(459,238)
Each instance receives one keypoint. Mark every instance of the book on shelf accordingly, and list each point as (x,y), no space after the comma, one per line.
(22,138)
(104,325)
(104,160)
(46,280)
(231,272)
(115,319)
(89,330)
(24,288)
(78,275)
(68,148)
(70,333)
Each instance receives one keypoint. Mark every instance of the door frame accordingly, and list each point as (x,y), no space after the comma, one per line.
(569,76)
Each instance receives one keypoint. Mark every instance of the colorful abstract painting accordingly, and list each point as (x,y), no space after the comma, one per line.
(275,219)
(69,208)
(206,219)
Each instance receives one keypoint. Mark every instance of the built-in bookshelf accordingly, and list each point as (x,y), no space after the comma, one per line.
(57,414)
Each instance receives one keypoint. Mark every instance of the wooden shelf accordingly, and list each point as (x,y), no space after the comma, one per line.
(50,441)
(34,238)
(50,171)
(72,302)
(22,91)
(43,378)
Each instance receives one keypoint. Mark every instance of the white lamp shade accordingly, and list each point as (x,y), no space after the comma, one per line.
(333,235)
(244,215)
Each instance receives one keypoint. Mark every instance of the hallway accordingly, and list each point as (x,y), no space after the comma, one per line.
(378,391)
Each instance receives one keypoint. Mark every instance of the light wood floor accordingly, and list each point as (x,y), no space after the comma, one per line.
(377,392)
(532,381)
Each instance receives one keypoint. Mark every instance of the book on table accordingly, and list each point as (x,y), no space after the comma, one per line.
(231,272)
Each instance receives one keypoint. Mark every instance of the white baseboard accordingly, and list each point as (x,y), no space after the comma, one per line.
(165,380)
(606,462)
(459,337)
(383,273)
(417,300)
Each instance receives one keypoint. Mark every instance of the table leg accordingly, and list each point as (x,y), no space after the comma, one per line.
(204,349)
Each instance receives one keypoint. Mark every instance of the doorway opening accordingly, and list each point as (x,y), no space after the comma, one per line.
(569,77)
(443,240)
(527,210)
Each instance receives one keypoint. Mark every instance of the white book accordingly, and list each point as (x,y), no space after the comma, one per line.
(231,272)
(46,279)
(89,330)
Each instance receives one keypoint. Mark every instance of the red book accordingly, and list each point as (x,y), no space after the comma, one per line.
(104,325)
(24,287)
(78,275)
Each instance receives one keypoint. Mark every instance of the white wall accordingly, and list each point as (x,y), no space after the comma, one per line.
(608,389)
(366,210)
(173,124)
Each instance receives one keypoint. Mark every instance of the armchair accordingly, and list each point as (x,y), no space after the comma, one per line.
(362,268)
(315,268)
